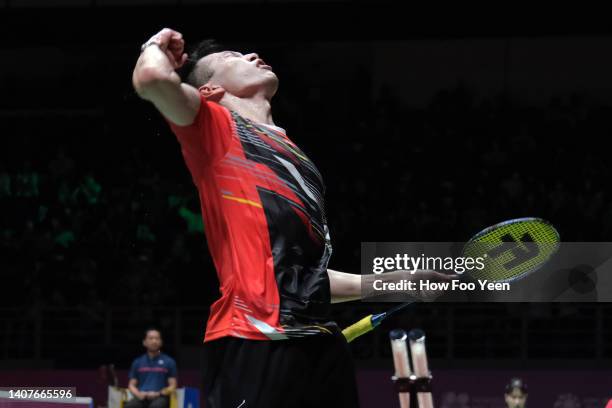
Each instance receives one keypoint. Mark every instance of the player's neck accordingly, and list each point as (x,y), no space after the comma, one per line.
(256,108)
(153,354)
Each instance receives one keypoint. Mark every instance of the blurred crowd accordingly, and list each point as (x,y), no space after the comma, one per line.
(68,238)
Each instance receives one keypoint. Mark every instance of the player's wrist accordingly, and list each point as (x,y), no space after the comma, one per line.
(151,42)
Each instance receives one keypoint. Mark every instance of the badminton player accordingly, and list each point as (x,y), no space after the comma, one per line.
(268,341)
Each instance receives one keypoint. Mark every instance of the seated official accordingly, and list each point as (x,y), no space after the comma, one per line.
(152,376)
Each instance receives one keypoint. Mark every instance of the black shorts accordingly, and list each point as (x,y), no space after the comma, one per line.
(314,371)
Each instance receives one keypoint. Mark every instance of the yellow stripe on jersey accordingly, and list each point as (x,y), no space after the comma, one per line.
(242,200)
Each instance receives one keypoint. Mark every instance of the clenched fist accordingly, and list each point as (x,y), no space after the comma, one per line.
(172,44)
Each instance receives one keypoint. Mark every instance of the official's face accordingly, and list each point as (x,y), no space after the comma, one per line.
(152,342)
(516,399)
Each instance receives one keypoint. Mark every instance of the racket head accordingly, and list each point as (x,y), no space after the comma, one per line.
(512,249)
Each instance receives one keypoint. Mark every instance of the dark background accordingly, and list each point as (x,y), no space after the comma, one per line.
(426,126)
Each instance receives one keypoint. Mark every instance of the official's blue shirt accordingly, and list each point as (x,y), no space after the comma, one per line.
(153,373)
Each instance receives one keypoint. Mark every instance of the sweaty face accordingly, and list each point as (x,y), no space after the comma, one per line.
(241,75)
(516,399)
(152,341)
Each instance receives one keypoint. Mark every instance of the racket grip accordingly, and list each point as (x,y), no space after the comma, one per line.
(357,329)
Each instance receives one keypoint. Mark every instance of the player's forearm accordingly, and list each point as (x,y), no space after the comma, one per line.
(343,286)
(153,70)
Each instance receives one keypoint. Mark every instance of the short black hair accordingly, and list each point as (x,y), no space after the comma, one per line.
(188,72)
(152,328)
(516,383)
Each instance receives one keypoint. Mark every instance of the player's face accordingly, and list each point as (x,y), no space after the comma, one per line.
(152,341)
(516,399)
(242,75)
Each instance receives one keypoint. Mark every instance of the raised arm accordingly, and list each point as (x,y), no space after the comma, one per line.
(155,80)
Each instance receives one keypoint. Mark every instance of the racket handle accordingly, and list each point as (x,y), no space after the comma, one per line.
(357,329)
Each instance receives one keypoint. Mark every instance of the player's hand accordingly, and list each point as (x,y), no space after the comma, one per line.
(172,44)
(140,395)
(431,276)
(414,290)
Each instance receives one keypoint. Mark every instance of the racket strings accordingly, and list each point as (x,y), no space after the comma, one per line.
(512,250)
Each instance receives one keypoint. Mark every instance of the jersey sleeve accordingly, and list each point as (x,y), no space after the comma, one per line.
(132,373)
(208,138)
(172,372)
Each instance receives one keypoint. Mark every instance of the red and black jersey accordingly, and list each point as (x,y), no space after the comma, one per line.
(265,223)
